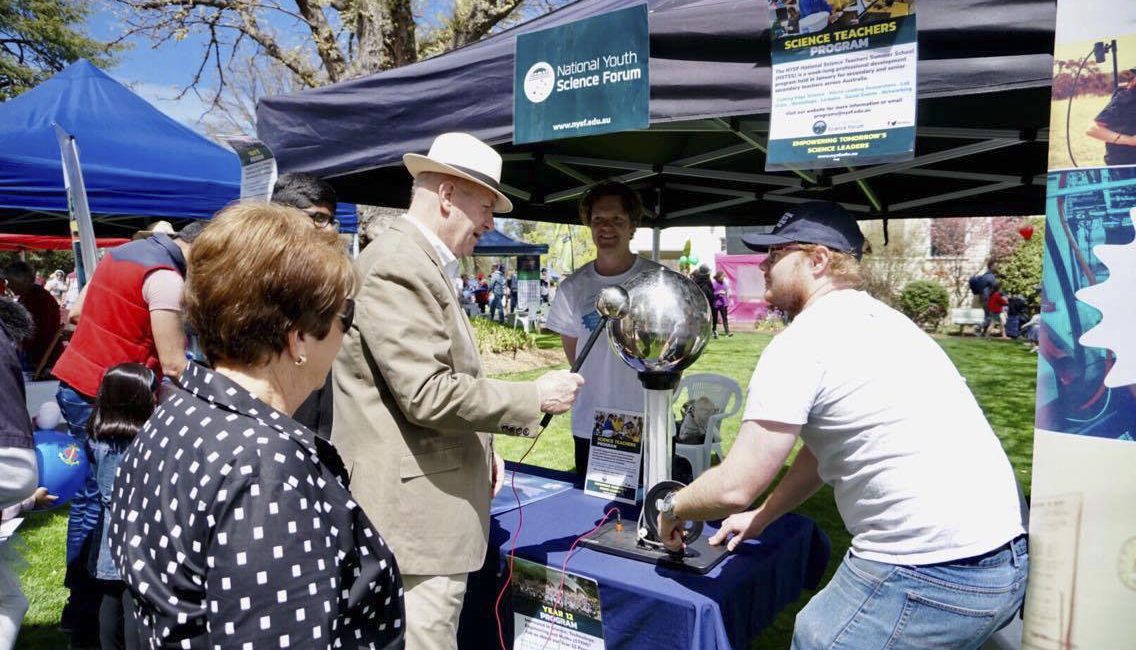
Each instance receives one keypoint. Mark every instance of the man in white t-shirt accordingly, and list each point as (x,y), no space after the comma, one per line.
(613,211)
(938,555)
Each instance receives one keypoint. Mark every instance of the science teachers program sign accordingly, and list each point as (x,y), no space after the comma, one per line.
(843,83)
(582,78)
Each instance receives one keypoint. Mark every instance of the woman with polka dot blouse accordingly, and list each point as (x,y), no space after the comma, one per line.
(231,523)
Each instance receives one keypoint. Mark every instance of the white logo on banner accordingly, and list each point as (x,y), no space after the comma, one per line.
(539,82)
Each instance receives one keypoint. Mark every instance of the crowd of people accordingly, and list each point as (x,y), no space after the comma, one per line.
(294,450)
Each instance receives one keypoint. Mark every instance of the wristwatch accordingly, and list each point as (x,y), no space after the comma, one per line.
(667,506)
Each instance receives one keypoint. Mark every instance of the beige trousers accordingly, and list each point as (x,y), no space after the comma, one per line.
(433,606)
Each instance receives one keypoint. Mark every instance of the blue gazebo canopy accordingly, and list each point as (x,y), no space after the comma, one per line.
(498,243)
(138,163)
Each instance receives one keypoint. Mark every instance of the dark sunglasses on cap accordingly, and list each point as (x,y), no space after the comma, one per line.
(348,315)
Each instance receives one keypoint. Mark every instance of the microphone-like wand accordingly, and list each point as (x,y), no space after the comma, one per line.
(611,305)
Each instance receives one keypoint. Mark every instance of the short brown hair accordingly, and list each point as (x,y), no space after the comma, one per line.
(628,198)
(258,272)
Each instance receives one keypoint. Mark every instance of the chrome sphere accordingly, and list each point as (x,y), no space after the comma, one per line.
(613,302)
(666,326)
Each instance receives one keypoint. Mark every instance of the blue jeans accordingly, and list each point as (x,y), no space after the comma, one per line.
(495,307)
(107,454)
(85,505)
(959,604)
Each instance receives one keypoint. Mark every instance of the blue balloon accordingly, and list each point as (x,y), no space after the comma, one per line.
(63,465)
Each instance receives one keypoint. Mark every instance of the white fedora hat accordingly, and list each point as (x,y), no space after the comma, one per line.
(464,156)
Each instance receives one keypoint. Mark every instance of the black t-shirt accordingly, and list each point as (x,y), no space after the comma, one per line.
(1120,116)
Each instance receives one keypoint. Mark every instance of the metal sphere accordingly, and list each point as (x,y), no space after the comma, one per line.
(666,326)
(612,302)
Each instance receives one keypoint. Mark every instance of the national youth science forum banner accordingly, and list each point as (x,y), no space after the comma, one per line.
(583,78)
(843,83)
(1082,582)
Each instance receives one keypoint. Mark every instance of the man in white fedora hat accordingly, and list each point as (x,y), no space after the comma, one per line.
(414,415)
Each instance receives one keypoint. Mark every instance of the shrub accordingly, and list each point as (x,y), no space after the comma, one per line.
(495,338)
(924,302)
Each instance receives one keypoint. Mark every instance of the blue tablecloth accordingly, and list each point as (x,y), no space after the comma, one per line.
(645,606)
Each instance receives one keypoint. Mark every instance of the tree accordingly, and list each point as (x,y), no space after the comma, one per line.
(317,41)
(569,246)
(1020,273)
(39,38)
(953,244)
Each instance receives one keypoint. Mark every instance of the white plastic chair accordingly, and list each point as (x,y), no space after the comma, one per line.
(529,316)
(726,396)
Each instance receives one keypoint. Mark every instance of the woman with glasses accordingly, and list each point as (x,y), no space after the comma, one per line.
(232,523)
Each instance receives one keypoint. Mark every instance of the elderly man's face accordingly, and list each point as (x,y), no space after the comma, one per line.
(470,215)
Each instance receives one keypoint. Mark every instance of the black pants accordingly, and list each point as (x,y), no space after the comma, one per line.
(118,628)
(714,311)
(582,446)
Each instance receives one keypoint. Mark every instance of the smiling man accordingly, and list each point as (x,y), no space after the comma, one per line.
(613,211)
(411,402)
(938,556)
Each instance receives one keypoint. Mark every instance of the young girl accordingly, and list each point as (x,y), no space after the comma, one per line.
(126,399)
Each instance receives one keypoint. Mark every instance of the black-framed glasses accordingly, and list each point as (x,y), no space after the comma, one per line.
(348,315)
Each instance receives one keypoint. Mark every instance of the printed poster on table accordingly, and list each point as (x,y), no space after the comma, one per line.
(614,458)
(843,87)
(1082,583)
(552,609)
(583,78)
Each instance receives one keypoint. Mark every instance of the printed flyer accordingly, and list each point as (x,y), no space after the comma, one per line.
(615,457)
(554,610)
(843,83)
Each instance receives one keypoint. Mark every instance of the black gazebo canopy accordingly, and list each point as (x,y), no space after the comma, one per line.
(983,117)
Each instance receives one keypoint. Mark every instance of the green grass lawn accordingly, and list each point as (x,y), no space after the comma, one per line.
(1001,374)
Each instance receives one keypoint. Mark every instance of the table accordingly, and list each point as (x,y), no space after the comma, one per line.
(645,606)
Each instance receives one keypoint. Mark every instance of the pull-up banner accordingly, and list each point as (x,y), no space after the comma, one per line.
(1082,538)
(843,83)
(583,78)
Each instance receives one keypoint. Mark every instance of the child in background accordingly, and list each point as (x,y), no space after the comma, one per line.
(126,399)
(995,308)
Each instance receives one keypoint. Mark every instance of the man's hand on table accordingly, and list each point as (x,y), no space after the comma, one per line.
(670,532)
(738,528)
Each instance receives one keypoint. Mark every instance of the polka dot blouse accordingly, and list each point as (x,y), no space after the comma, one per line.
(232,527)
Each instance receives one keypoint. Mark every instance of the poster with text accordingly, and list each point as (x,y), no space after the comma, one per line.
(258,166)
(843,87)
(583,78)
(615,455)
(528,282)
(554,610)
(1082,583)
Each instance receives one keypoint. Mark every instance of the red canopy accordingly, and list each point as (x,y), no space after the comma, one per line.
(45,242)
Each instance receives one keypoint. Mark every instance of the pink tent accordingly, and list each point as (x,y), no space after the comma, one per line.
(747,286)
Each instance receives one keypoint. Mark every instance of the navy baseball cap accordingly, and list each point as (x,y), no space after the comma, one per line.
(815,222)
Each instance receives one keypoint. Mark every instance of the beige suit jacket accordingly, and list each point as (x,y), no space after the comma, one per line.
(410,401)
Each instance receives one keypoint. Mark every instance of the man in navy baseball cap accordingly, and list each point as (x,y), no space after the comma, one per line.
(816,222)
(886,421)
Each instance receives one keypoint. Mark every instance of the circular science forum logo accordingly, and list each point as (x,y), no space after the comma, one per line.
(819,127)
(539,82)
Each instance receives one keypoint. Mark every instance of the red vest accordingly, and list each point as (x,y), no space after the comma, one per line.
(115,324)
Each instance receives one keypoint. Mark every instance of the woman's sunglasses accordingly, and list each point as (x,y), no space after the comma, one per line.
(348,315)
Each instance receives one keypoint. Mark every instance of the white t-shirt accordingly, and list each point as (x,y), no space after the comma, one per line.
(918,473)
(609,383)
